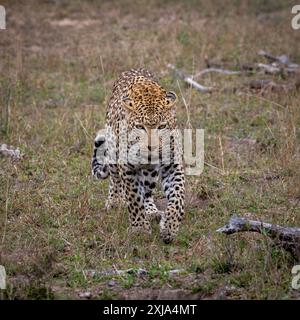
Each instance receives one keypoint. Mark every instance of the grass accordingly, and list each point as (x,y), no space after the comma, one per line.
(58,63)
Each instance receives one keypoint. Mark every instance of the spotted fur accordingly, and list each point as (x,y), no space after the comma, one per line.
(138,100)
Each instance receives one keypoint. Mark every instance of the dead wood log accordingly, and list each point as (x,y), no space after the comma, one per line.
(138,272)
(286,237)
(256,84)
(274,68)
(282,60)
(271,69)
(189,80)
(277,65)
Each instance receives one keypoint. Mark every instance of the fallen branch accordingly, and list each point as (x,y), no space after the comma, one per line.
(285,237)
(274,68)
(283,60)
(277,65)
(9,151)
(263,84)
(190,81)
(269,68)
(280,65)
(216,70)
(138,272)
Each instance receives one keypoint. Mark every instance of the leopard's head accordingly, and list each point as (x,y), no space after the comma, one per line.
(150,114)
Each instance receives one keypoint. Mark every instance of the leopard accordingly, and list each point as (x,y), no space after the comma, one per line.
(132,159)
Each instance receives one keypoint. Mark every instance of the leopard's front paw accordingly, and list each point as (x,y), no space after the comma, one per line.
(168,231)
(153,214)
(144,228)
(166,236)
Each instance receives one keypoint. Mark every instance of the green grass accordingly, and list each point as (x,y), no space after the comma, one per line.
(54,85)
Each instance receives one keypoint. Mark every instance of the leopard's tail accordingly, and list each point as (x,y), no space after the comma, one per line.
(100,169)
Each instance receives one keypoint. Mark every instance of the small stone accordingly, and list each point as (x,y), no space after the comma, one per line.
(111,283)
(85,295)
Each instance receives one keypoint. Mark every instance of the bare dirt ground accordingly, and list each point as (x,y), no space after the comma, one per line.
(58,60)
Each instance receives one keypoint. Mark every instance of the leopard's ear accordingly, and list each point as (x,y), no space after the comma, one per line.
(171,99)
(127,103)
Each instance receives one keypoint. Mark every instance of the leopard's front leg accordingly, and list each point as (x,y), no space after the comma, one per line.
(116,191)
(173,184)
(149,180)
(134,194)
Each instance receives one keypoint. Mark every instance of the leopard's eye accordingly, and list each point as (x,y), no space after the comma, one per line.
(140,127)
(162,126)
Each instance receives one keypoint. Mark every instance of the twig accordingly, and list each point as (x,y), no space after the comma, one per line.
(6,212)
(83,127)
(190,81)
(277,65)
(274,68)
(214,167)
(217,70)
(188,122)
(282,59)
(286,237)
(269,68)
(7,111)
(222,155)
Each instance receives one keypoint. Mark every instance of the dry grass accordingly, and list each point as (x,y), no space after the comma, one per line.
(58,60)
